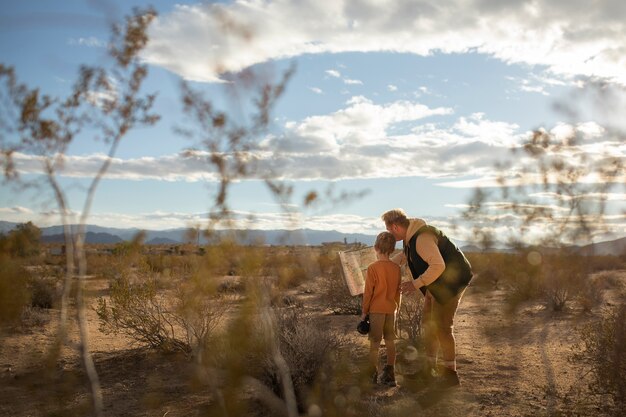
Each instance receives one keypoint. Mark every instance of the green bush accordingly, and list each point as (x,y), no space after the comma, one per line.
(22,242)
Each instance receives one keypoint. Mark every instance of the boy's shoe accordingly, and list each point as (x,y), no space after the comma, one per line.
(388,377)
(447,378)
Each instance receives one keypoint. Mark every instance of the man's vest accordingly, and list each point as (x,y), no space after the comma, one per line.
(455,277)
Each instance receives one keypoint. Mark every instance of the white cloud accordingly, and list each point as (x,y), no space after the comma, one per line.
(352,82)
(316,90)
(392,87)
(361,140)
(201,41)
(91,42)
(333,73)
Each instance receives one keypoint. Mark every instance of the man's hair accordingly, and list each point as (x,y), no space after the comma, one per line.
(395,216)
(385,243)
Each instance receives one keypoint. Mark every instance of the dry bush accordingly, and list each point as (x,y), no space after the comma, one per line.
(291,266)
(563,279)
(14,292)
(410,318)
(591,294)
(603,350)
(494,270)
(328,261)
(596,263)
(523,287)
(136,310)
(337,296)
(609,280)
(197,311)
(138,305)
(307,348)
(43,293)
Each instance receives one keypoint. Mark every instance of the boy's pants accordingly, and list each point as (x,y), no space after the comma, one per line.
(382,326)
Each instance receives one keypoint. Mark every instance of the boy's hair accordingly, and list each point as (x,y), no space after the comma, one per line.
(385,243)
(395,216)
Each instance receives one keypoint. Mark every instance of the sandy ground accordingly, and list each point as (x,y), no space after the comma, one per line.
(510,365)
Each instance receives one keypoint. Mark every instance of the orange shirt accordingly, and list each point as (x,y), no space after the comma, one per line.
(382,288)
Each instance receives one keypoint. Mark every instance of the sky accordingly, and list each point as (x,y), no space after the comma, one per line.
(408,104)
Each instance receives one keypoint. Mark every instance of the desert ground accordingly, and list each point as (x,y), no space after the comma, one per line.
(510,364)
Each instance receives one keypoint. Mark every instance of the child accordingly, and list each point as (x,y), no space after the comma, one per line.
(381,299)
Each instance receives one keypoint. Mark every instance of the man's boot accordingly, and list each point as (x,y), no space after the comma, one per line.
(447,378)
(388,377)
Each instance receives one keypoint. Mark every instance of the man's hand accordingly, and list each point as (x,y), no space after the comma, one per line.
(407,287)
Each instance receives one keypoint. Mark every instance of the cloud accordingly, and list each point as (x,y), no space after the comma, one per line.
(316,90)
(90,42)
(352,82)
(201,41)
(333,73)
(365,139)
(270,220)
(15,210)
(392,87)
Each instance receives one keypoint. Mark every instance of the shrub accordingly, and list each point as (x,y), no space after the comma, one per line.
(197,312)
(603,349)
(591,295)
(563,278)
(136,310)
(410,318)
(43,293)
(337,296)
(306,347)
(23,241)
(184,323)
(14,292)
(523,287)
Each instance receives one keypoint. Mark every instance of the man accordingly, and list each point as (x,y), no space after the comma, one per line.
(441,272)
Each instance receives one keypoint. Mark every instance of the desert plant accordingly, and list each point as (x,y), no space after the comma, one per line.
(182,321)
(307,349)
(563,278)
(14,292)
(198,312)
(23,241)
(409,318)
(137,310)
(603,350)
(523,287)
(337,296)
(43,293)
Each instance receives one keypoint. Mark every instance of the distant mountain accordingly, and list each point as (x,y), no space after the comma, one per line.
(162,241)
(98,234)
(613,247)
(90,237)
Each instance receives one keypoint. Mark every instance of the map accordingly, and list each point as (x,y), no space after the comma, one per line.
(354,264)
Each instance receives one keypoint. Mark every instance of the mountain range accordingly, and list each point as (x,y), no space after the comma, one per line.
(98,234)
(109,235)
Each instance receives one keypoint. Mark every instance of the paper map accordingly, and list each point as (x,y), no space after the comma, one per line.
(354,264)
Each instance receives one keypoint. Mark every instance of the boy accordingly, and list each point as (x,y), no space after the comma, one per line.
(381,299)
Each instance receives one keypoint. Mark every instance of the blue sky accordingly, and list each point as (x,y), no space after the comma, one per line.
(409,101)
